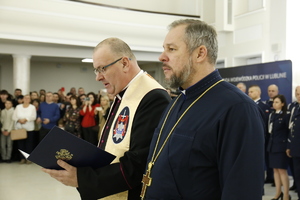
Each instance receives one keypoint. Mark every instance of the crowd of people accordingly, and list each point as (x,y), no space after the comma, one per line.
(76,112)
(280,118)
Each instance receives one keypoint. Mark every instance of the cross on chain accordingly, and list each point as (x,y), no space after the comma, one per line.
(146,180)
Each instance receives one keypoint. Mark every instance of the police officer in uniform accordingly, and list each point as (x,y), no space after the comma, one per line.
(290,108)
(293,150)
(272,92)
(254,93)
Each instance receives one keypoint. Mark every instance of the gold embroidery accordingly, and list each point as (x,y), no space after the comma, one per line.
(63,154)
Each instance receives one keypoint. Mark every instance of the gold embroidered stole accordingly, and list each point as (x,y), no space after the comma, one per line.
(131,99)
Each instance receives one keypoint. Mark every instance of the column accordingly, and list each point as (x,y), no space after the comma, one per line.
(21,73)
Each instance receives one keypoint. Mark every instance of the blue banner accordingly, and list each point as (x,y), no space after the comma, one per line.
(265,74)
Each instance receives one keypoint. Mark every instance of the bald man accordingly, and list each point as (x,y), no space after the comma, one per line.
(242,86)
(254,92)
(272,92)
(297,96)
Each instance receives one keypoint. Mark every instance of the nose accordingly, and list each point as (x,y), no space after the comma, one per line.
(99,77)
(163,57)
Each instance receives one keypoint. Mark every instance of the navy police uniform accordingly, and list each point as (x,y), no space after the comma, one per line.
(292,105)
(266,109)
(291,165)
(279,131)
(269,102)
(294,144)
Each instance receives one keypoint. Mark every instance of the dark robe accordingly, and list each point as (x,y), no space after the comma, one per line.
(217,149)
(127,174)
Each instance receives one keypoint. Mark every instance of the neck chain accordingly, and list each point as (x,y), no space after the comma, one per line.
(146,177)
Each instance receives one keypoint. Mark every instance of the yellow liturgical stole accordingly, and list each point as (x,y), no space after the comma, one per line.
(118,141)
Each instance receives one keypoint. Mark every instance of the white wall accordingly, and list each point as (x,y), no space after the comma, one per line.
(51,76)
(6,74)
(255,33)
(69,29)
(293,39)
(71,23)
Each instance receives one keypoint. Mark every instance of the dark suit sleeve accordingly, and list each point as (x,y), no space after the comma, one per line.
(241,150)
(127,174)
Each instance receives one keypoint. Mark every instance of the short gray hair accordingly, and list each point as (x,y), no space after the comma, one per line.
(117,47)
(199,33)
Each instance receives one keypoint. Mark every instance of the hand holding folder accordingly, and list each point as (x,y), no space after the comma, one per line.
(61,145)
(68,176)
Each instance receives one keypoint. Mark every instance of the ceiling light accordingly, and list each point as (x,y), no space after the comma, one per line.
(87,60)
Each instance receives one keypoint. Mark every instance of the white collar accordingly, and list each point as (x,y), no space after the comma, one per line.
(256,100)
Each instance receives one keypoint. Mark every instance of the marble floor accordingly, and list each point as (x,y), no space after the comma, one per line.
(28,182)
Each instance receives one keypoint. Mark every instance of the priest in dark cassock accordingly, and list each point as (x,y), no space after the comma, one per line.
(209,144)
(129,128)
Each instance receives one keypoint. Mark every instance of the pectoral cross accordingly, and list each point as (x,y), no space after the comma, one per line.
(146,180)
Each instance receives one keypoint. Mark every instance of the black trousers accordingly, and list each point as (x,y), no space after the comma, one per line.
(27,145)
(43,133)
(296,163)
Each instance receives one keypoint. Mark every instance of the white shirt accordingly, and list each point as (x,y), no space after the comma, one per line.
(28,113)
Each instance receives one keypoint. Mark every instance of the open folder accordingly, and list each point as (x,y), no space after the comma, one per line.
(59,144)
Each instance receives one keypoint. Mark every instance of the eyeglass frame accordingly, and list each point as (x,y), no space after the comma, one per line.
(102,69)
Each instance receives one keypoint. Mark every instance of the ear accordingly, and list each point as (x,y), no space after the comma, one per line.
(125,62)
(201,53)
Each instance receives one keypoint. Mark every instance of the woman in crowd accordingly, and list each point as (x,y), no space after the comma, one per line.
(72,117)
(88,121)
(278,128)
(24,117)
(34,95)
(102,112)
(42,98)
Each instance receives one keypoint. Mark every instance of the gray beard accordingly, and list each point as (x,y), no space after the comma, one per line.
(177,81)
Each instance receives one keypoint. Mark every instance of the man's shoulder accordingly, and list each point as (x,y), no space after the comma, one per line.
(158,93)
(156,96)
(230,93)
(263,104)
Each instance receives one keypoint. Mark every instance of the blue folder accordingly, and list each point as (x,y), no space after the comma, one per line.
(59,144)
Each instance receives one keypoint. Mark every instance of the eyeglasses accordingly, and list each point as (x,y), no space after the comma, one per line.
(102,69)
